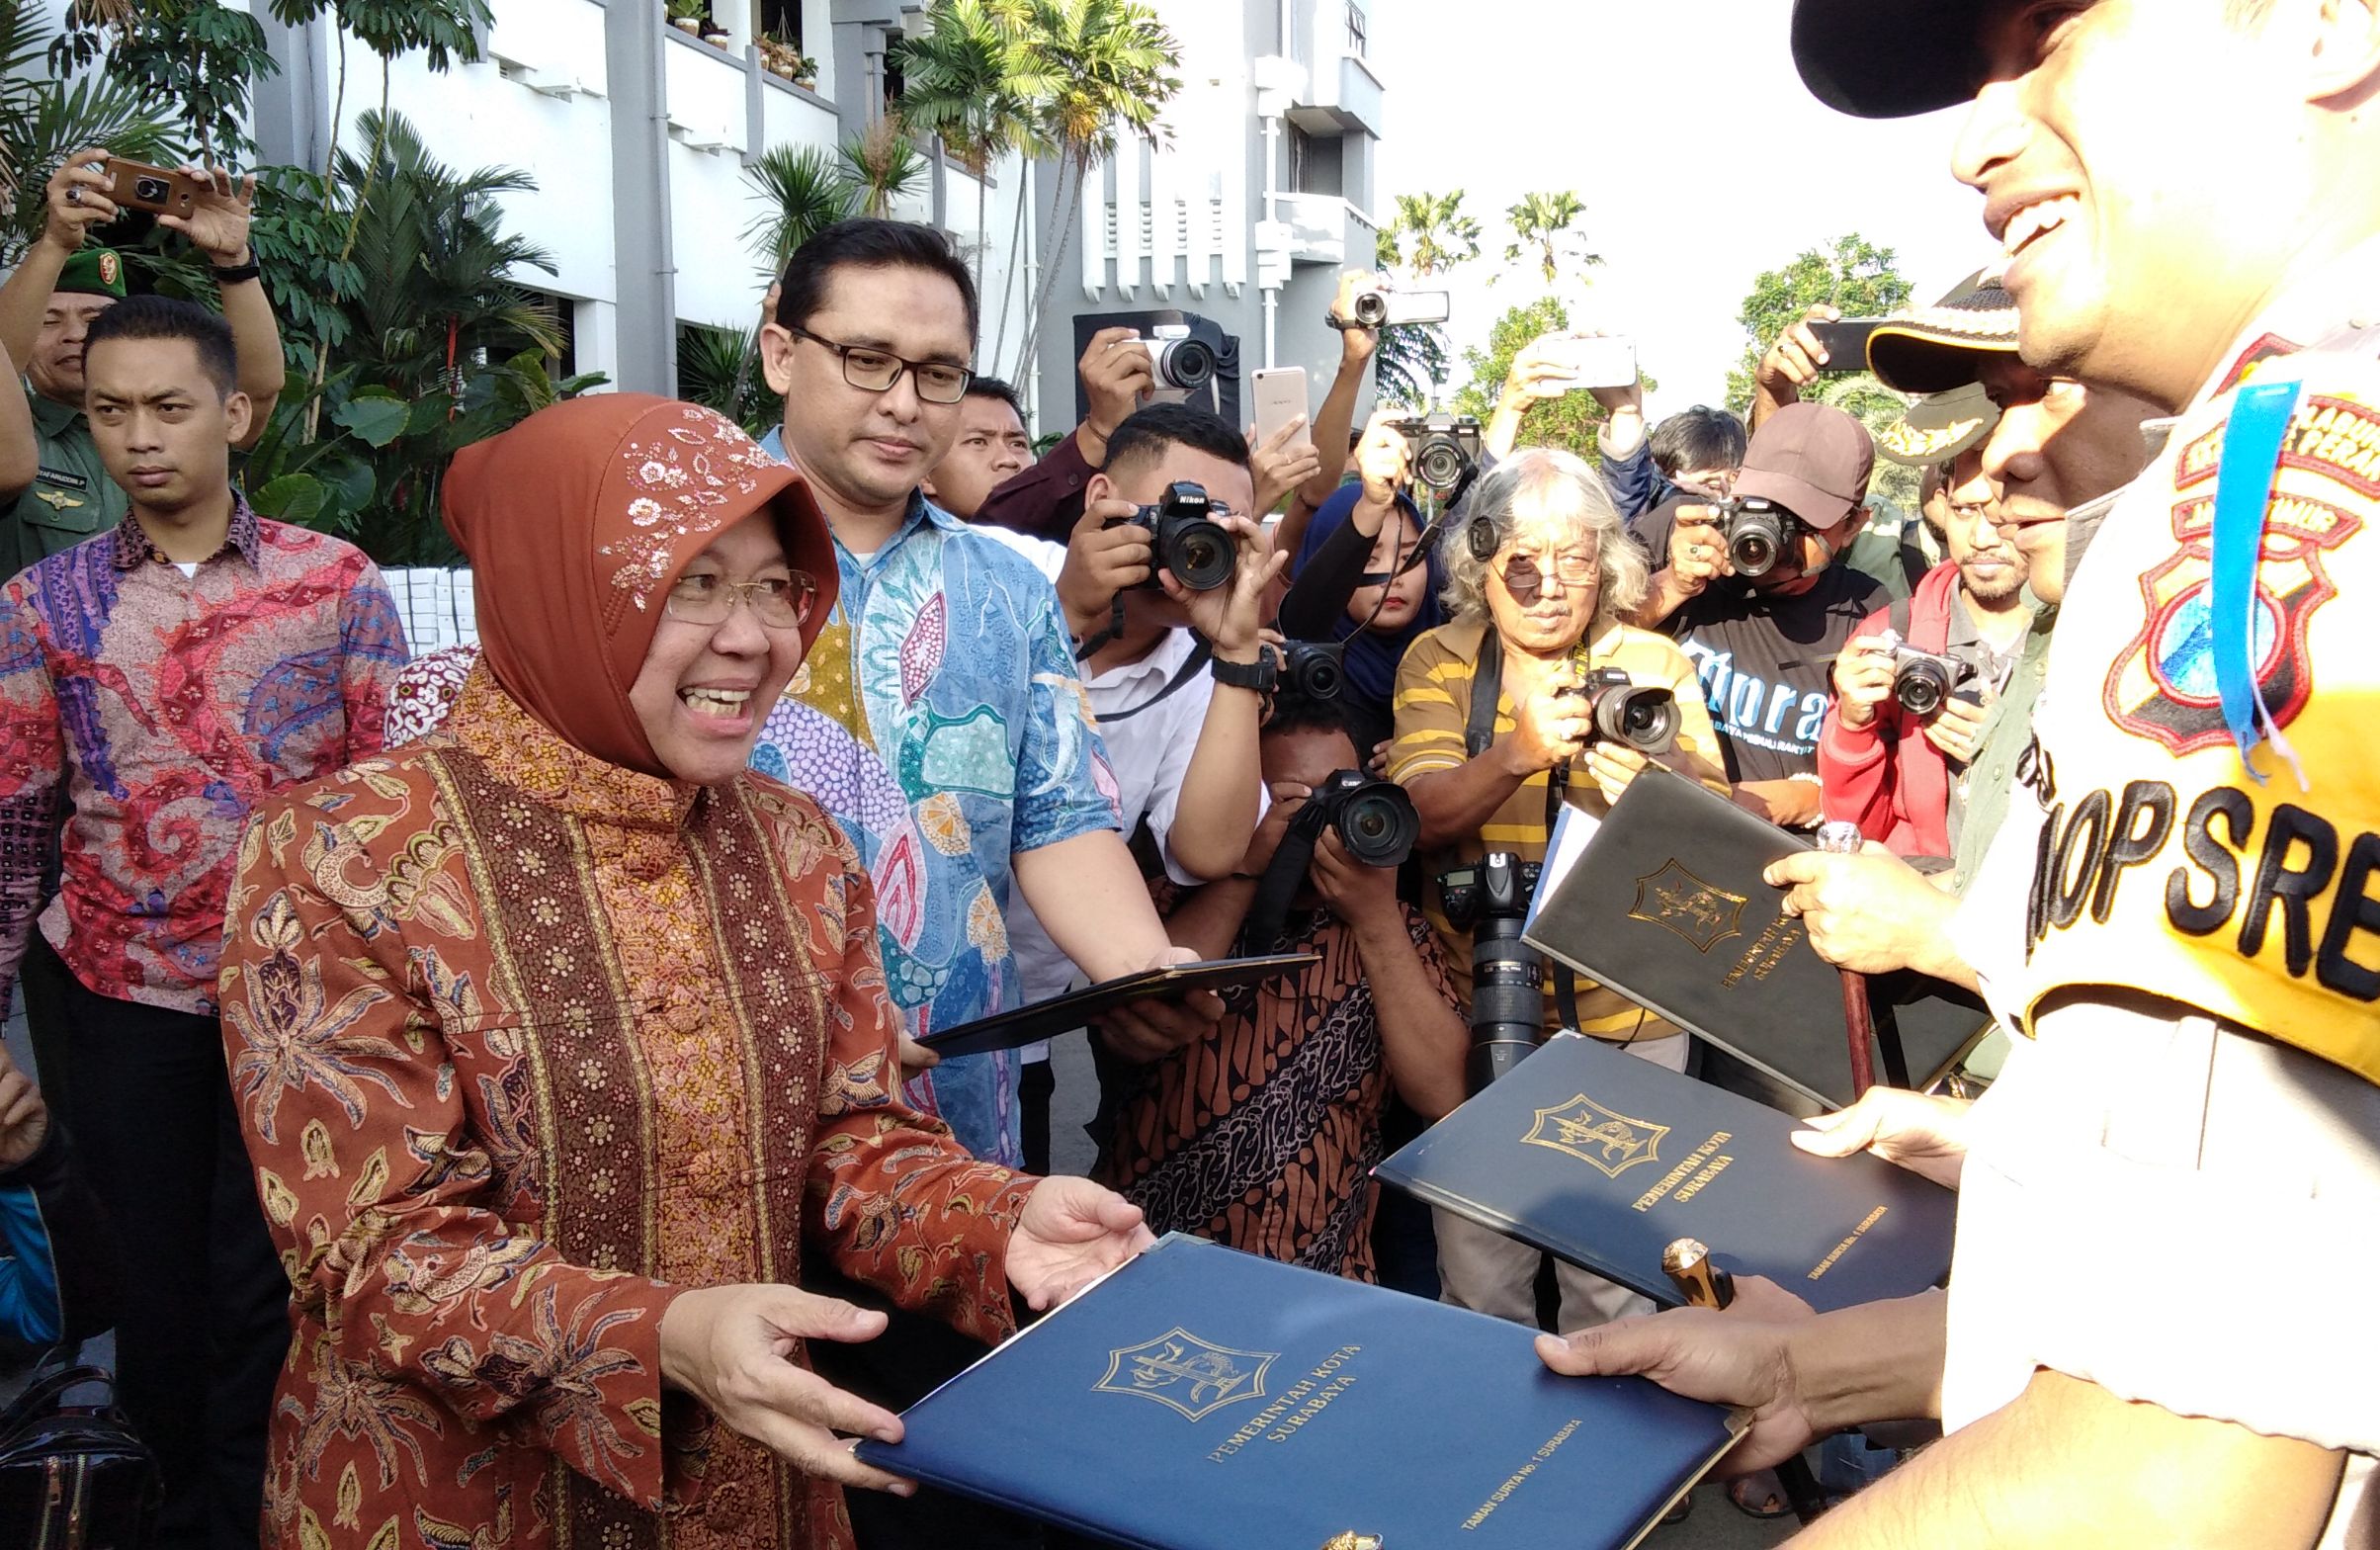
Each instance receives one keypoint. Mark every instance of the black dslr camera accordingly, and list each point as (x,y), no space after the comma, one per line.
(1922,680)
(1756,533)
(1440,448)
(1186,538)
(1375,818)
(1644,719)
(1490,899)
(1312,669)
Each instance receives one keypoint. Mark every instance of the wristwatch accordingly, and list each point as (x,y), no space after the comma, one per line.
(1261,676)
(233,274)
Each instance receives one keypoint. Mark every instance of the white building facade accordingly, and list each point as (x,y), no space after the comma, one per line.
(639,137)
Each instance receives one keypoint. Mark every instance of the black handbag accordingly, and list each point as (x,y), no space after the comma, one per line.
(74,1475)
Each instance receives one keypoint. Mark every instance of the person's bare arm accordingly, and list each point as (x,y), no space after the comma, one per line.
(1792,364)
(2068,1466)
(77,202)
(19,450)
(218,226)
(1214,813)
(1336,418)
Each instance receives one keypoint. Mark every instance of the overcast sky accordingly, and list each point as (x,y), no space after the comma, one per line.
(1684,129)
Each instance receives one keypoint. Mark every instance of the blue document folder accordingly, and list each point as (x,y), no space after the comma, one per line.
(1203,1399)
(1603,1160)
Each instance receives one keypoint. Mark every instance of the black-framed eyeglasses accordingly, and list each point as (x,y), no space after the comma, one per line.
(876,371)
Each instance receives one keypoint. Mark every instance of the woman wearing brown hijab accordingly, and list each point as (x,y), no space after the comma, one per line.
(559,1040)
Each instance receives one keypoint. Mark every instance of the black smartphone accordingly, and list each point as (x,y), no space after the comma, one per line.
(1847,342)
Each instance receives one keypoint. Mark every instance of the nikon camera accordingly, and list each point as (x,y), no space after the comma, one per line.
(1186,538)
(1440,448)
(1491,900)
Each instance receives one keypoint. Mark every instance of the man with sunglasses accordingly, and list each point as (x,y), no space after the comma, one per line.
(1765,645)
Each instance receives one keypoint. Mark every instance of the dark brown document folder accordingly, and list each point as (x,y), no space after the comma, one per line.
(1666,905)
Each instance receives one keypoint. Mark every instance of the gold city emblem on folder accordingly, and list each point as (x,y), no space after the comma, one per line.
(1675,900)
(1194,1376)
(1596,1136)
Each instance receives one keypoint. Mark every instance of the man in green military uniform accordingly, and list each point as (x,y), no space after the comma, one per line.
(71,496)
(46,307)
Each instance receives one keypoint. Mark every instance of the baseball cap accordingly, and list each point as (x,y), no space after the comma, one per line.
(1933,349)
(1889,59)
(1940,426)
(98,271)
(1811,459)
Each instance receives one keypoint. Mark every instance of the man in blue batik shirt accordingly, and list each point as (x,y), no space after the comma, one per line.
(939,719)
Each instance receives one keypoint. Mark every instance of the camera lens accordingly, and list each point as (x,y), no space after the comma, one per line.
(1920,685)
(1318,677)
(1378,825)
(1198,552)
(1184,362)
(1440,465)
(1645,719)
(150,189)
(1370,309)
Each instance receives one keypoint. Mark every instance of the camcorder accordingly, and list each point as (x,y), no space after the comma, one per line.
(1312,669)
(1182,363)
(1441,448)
(1375,820)
(1642,719)
(1387,307)
(1922,680)
(1489,898)
(1186,538)
(1756,532)
(1376,823)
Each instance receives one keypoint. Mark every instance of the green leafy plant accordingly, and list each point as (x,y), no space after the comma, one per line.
(436,346)
(972,79)
(43,117)
(802,190)
(1429,234)
(719,367)
(1103,69)
(1859,280)
(881,164)
(1546,226)
(1409,364)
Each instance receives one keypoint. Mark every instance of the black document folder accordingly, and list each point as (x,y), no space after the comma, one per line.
(1064,1013)
(1602,1160)
(1666,905)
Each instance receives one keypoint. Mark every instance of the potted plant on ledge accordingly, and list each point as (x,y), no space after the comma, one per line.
(687,16)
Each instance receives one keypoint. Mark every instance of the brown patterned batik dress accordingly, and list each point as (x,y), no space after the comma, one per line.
(522,1044)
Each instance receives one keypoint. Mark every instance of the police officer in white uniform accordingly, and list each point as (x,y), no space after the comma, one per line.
(2156,1333)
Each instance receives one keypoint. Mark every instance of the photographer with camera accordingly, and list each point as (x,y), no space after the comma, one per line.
(1261,1133)
(1915,687)
(1534,694)
(1045,500)
(1358,582)
(1757,592)
(1178,684)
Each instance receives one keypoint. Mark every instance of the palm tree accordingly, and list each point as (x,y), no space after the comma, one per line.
(969,79)
(802,190)
(1105,62)
(881,164)
(1431,233)
(43,117)
(1547,223)
(716,369)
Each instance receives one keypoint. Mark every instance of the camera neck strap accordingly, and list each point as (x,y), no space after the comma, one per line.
(1201,651)
(1478,735)
(1268,912)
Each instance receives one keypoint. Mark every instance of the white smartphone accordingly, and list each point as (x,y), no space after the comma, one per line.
(1607,361)
(1280,392)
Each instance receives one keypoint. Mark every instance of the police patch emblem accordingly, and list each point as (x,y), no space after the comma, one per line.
(2162,685)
